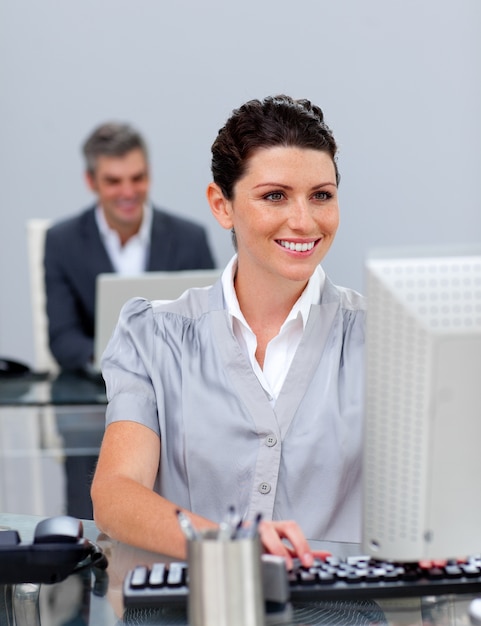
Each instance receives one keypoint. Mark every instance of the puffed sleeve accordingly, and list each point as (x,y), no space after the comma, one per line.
(126,366)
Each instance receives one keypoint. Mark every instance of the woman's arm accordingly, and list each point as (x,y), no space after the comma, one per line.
(125,506)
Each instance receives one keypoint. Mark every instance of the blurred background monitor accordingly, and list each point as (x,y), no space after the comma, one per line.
(113,291)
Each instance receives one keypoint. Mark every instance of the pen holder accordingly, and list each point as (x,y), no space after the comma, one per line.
(225,581)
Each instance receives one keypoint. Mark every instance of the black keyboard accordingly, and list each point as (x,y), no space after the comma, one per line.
(351,578)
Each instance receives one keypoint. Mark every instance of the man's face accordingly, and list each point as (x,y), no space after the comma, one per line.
(122,186)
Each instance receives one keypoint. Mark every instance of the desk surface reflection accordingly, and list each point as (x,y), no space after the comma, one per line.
(51,429)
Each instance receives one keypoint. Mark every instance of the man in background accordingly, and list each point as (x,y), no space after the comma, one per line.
(123,232)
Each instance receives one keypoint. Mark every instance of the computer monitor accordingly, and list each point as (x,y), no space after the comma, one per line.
(113,291)
(422,438)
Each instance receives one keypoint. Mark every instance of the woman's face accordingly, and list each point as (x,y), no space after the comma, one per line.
(285,212)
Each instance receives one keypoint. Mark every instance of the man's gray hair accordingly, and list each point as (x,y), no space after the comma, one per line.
(114,140)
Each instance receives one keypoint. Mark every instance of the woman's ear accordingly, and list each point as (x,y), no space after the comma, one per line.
(221,207)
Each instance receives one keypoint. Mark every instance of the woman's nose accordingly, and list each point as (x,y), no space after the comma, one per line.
(301,217)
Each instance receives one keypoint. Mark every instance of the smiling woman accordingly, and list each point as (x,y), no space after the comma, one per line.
(248,393)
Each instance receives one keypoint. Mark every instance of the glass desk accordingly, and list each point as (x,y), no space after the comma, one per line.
(73,602)
(66,389)
(50,434)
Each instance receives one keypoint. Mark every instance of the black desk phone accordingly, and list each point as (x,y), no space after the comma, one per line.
(58,550)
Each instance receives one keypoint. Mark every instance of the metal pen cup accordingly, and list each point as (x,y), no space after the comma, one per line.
(225,581)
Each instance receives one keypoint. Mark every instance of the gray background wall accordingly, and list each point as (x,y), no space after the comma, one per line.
(399,82)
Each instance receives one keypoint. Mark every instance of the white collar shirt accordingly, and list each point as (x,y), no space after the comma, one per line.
(281,349)
(130,258)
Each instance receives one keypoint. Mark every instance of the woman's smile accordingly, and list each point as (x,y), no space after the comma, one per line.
(298,246)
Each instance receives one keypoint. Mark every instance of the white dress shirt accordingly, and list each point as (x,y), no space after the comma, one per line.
(132,257)
(281,349)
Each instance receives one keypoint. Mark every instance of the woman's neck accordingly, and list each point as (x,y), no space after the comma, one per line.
(265,305)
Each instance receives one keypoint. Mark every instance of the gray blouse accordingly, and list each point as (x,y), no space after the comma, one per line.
(177,368)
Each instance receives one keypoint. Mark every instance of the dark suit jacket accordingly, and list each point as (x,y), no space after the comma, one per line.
(75,255)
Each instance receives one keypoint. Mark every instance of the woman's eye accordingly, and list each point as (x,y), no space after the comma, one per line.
(274,196)
(322,195)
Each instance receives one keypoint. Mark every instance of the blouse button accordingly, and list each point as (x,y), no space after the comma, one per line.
(270,440)
(264,488)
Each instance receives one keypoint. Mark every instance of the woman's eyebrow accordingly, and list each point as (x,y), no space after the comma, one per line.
(284,186)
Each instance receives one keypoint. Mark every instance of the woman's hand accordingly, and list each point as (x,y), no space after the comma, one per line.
(272,535)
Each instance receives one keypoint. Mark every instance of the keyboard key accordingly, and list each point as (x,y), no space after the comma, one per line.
(175,577)
(139,577)
(157,575)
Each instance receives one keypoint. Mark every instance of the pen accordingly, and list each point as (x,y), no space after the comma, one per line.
(248,531)
(238,528)
(186,525)
(228,525)
(254,529)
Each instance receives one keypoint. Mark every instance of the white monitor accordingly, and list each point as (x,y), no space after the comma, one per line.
(113,291)
(422,442)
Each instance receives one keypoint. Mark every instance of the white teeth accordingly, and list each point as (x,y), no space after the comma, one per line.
(297,247)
